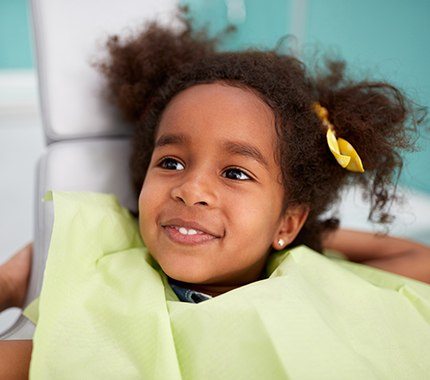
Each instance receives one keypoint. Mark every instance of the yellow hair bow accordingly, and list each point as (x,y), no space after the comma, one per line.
(342,150)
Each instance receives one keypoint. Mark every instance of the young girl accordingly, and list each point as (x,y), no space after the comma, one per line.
(235,158)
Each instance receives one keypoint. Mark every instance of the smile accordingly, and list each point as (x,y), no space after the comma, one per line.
(190,236)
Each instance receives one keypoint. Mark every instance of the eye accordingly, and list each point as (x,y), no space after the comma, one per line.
(170,163)
(236,174)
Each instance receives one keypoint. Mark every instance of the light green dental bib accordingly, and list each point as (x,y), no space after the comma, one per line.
(106,311)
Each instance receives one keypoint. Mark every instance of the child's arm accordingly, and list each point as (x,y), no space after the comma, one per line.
(389,253)
(15,358)
(14,277)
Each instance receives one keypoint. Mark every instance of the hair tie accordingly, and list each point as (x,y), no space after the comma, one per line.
(342,150)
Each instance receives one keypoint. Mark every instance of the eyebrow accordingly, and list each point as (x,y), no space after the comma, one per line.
(171,139)
(246,150)
(233,147)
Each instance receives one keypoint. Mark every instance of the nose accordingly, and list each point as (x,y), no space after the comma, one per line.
(194,190)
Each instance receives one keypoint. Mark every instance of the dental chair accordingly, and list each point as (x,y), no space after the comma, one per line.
(87,144)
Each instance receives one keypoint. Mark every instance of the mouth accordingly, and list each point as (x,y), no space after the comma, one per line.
(191,233)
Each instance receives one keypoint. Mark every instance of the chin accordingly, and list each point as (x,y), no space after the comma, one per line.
(185,274)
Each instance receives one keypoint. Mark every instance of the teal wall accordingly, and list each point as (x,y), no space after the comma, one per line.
(263,24)
(387,39)
(15,46)
(391,42)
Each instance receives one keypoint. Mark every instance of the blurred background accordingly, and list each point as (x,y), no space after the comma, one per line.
(382,39)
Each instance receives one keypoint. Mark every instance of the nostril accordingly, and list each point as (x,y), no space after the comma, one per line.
(202,203)
(180,199)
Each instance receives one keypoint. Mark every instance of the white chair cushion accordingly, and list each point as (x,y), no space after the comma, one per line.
(70,36)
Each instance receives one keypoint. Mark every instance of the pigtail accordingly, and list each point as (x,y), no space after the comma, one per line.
(380,122)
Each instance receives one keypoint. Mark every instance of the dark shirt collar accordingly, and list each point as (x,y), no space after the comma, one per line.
(187,295)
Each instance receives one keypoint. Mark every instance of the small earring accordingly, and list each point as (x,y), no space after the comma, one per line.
(281,243)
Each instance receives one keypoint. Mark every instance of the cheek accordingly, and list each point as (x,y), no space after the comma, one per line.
(151,193)
(149,200)
(269,218)
(263,225)
(257,219)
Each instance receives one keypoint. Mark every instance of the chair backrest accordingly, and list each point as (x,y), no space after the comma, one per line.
(70,36)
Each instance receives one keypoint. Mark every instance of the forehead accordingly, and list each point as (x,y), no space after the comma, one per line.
(220,111)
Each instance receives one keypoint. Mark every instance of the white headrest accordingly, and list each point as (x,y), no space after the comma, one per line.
(70,35)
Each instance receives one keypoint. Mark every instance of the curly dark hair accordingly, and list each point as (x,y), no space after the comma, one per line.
(147,70)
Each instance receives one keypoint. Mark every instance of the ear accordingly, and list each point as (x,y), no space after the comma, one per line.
(290,225)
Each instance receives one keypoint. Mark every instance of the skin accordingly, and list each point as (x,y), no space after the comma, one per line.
(388,253)
(195,177)
(14,278)
(15,355)
(15,358)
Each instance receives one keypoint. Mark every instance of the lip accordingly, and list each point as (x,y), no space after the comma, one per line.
(177,222)
(175,236)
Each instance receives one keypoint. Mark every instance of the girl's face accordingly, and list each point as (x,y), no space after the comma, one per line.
(210,206)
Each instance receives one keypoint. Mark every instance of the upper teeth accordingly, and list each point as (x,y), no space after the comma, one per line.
(185,231)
